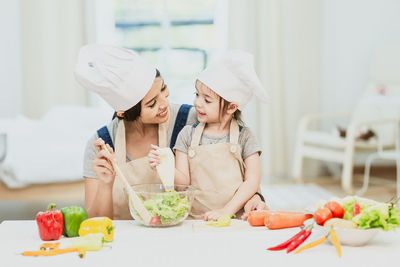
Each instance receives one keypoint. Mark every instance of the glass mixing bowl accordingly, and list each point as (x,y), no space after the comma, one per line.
(165,208)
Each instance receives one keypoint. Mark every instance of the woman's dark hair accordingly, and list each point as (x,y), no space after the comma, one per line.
(134,112)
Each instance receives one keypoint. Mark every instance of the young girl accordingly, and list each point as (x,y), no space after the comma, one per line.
(219,156)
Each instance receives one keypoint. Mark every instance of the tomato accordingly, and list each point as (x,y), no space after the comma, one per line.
(322,215)
(335,208)
(155,220)
(356,209)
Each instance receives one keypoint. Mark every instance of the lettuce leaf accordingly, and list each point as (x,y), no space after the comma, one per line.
(394,218)
(348,203)
(374,216)
(348,208)
(169,206)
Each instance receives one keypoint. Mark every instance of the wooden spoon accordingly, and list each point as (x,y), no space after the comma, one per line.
(137,203)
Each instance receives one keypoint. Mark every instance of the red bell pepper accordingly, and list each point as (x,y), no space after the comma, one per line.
(50,223)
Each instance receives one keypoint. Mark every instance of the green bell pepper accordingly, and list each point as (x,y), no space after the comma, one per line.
(73,216)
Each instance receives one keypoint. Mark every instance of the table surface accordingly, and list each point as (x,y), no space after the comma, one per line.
(194,244)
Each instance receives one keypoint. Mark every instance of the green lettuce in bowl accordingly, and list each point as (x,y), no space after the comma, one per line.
(166,208)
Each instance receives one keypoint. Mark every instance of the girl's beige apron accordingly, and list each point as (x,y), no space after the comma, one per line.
(137,171)
(216,170)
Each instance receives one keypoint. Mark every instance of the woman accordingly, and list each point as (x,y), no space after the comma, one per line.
(143,117)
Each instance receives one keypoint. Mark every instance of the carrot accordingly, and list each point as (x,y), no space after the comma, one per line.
(45,246)
(257,217)
(279,219)
(50,252)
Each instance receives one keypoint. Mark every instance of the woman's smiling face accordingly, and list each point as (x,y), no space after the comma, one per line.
(154,105)
(207,104)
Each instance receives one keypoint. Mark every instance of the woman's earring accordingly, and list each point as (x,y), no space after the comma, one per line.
(120,114)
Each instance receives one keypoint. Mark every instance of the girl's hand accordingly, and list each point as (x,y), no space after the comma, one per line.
(214,215)
(154,156)
(255,203)
(102,162)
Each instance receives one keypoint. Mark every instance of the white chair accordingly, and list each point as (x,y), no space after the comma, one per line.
(392,154)
(374,111)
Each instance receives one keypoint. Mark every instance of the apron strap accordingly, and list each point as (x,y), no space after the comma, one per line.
(120,142)
(233,133)
(198,132)
(180,122)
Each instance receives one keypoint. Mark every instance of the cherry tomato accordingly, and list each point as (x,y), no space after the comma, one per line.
(356,209)
(155,220)
(322,215)
(335,208)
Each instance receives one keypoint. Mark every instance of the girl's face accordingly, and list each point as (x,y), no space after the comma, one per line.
(207,104)
(155,103)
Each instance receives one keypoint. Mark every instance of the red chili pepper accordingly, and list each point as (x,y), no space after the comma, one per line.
(50,223)
(287,242)
(356,209)
(297,242)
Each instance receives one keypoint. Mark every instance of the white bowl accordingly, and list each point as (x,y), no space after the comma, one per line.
(350,237)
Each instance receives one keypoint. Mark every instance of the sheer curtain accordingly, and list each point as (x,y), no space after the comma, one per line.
(284,37)
(52,33)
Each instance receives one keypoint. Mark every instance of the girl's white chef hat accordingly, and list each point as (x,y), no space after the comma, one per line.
(120,76)
(233,78)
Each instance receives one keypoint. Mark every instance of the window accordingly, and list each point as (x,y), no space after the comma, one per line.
(178,37)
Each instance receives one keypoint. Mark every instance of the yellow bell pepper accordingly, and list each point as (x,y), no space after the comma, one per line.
(98,225)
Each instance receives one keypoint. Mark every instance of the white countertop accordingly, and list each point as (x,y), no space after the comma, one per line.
(194,244)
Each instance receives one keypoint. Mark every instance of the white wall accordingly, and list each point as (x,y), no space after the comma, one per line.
(10,60)
(351,31)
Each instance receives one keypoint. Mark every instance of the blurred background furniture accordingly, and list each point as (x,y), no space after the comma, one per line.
(49,149)
(373,112)
(384,154)
(379,104)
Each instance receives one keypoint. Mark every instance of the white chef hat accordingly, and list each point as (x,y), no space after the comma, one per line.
(233,78)
(120,76)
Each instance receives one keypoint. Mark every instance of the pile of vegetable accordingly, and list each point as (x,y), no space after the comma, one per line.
(89,234)
(349,212)
(295,241)
(274,219)
(357,212)
(167,208)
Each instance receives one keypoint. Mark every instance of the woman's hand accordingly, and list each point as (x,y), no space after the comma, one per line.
(154,156)
(102,162)
(255,203)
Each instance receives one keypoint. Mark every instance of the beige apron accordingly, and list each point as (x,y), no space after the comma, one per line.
(137,171)
(216,170)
